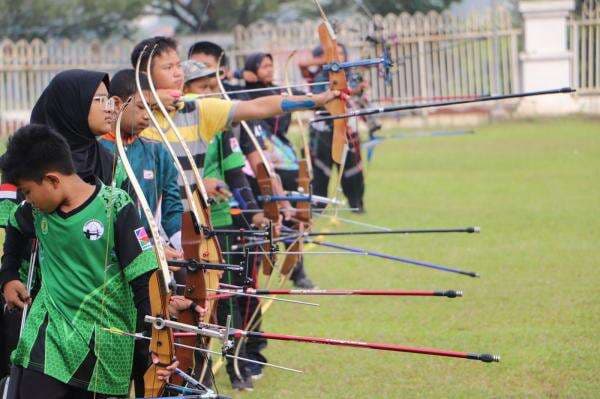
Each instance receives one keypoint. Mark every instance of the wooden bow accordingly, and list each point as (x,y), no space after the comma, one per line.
(162,340)
(197,241)
(337,81)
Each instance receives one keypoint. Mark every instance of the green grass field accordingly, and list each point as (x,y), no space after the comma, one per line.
(534,189)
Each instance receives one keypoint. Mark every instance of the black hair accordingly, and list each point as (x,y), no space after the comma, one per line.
(208,48)
(33,151)
(162,44)
(123,84)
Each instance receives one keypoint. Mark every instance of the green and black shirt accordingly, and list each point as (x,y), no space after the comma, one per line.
(88,259)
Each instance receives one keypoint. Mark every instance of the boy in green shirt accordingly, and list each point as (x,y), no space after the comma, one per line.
(95,264)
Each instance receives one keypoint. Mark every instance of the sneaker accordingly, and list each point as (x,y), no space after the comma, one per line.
(359,210)
(256,377)
(304,283)
(242,385)
(255,371)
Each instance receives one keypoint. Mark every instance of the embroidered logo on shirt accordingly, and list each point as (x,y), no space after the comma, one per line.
(93,229)
(148,174)
(235,146)
(143,239)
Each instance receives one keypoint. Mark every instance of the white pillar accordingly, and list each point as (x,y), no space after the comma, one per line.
(546,62)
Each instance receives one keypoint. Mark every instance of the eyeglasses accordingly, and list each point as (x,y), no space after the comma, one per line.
(108,103)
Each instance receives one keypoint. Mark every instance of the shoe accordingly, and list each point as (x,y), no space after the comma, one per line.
(359,210)
(256,377)
(304,283)
(255,371)
(242,385)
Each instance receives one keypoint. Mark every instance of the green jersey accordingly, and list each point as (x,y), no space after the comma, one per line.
(223,154)
(87,259)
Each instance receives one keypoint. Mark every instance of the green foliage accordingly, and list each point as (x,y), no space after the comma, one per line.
(72,19)
(384,7)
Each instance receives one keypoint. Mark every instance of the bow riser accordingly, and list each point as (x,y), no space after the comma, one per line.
(337,81)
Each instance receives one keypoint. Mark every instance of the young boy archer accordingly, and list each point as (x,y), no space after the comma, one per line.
(150,160)
(95,265)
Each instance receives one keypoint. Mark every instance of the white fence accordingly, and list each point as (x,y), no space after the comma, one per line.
(585,45)
(437,55)
(27,67)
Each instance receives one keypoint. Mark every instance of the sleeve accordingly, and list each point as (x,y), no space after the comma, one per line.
(140,287)
(257,130)
(216,116)
(9,200)
(211,159)
(171,205)
(232,155)
(18,232)
(240,188)
(133,247)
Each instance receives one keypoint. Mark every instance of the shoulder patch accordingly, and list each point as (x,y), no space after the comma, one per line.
(235,146)
(8,191)
(143,239)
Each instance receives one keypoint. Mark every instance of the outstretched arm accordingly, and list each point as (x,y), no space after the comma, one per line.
(269,106)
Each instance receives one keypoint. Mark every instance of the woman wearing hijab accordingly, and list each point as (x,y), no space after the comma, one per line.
(282,154)
(76,105)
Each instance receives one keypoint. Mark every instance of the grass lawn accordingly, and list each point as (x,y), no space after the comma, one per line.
(534,188)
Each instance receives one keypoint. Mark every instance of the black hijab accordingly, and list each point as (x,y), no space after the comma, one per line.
(277,125)
(65,105)
(252,64)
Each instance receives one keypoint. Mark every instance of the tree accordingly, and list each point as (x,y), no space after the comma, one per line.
(87,19)
(196,16)
(72,19)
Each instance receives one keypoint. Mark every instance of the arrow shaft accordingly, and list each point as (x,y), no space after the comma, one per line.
(238,334)
(361,344)
(357,292)
(406,231)
(395,258)
(381,110)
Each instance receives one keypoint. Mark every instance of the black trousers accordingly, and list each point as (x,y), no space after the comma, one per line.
(10,324)
(36,385)
(353,181)
(248,306)
(231,306)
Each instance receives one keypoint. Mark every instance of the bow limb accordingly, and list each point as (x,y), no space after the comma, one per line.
(206,249)
(162,340)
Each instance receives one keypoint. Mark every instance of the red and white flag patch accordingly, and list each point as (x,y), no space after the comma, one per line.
(8,191)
